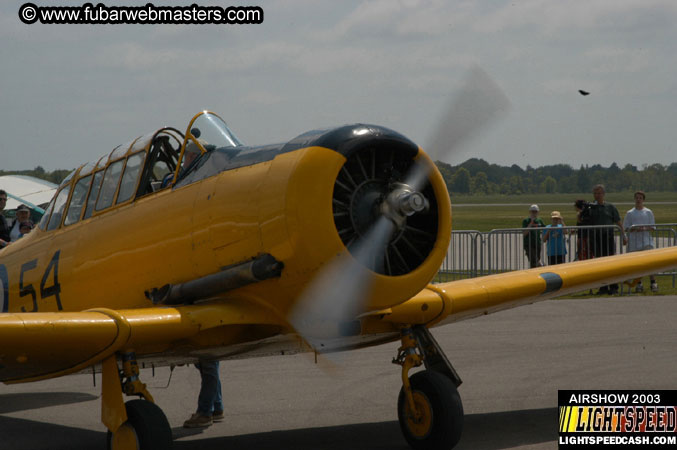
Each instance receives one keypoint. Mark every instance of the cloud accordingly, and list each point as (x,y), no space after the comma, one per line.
(402,18)
(614,60)
(135,57)
(550,17)
(393,62)
(261,97)
(570,86)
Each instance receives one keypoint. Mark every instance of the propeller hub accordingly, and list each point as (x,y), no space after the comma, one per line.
(402,202)
(410,203)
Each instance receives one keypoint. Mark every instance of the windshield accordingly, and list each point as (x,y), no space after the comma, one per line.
(212,132)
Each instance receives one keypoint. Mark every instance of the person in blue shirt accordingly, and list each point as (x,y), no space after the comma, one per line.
(554,239)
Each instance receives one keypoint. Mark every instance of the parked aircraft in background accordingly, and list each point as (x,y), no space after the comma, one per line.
(30,191)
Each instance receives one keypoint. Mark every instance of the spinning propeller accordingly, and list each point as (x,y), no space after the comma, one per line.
(380,212)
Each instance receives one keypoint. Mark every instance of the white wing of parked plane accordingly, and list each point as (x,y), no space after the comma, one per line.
(30,191)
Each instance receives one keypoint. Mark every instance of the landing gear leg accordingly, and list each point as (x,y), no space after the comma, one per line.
(429,408)
(137,424)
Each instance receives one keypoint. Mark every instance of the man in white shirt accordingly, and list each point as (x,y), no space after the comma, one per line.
(639,235)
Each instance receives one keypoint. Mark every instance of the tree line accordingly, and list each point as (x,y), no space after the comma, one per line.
(476,176)
(55,176)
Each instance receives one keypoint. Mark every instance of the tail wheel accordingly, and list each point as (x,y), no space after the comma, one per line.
(146,428)
(440,412)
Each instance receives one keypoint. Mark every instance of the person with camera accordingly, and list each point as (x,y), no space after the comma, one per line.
(602,242)
(532,237)
(582,220)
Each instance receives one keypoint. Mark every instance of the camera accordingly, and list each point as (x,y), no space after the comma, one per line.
(586,211)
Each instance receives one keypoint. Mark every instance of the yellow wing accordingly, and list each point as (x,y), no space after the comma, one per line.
(35,346)
(459,300)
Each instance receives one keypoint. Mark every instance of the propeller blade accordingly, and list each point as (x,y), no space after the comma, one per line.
(478,103)
(328,307)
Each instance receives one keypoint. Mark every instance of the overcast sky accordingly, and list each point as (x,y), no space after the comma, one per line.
(71,93)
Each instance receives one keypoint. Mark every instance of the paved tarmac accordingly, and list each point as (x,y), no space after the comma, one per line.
(512,364)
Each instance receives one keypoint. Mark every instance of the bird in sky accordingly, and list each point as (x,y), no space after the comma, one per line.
(583,92)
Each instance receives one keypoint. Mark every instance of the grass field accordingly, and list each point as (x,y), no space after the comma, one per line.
(527,199)
(488,212)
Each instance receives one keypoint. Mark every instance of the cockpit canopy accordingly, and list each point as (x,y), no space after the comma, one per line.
(211,128)
(140,167)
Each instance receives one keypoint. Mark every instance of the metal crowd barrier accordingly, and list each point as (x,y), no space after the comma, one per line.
(662,235)
(520,248)
(472,253)
(464,258)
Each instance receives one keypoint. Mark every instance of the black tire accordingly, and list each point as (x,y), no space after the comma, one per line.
(150,424)
(445,407)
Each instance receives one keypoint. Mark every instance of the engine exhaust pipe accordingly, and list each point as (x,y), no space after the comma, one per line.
(260,268)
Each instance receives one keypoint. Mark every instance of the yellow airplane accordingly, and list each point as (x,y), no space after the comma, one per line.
(174,247)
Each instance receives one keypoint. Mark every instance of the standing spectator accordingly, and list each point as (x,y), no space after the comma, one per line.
(603,243)
(583,250)
(23,214)
(553,236)
(209,402)
(532,237)
(4,229)
(639,237)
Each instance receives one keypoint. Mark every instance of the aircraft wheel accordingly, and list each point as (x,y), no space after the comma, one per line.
(441,412)
(146,428)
